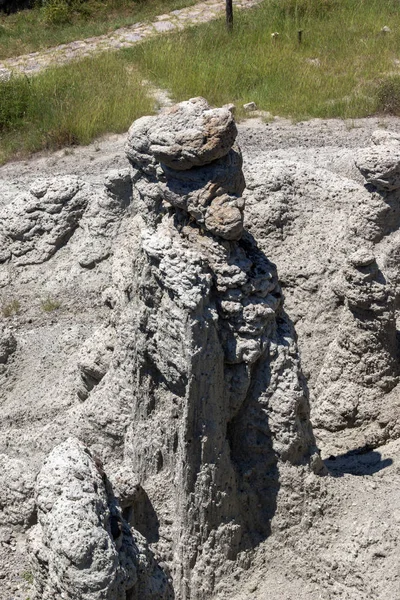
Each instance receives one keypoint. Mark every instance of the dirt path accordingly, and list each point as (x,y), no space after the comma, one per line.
(30,64)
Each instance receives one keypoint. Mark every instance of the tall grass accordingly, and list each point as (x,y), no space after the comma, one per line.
(61,21)
(345,67)
(70,105)
(335,72)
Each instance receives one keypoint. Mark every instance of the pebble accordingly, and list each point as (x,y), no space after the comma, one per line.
(250,106)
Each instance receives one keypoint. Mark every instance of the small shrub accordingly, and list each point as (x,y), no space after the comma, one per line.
(57,12)
(388,95)
(49,304)
(11,308)
(28,576)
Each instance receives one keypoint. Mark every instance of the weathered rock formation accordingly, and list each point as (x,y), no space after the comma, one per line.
(334,232)
(361,364)
(82,547)
(37,223)
(171,358)
(220,409)
(193,392)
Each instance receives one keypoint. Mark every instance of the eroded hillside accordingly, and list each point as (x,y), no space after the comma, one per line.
(161,341)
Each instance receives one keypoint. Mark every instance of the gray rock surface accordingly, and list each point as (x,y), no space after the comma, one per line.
(16,495)
(94,360)
(82,548)
(380,165)
(312,220)
(102,218)
(220,407)
(8,344)
(188,149)
(361,363)
(308,208)
(187,135)
(194,389)
(36,224)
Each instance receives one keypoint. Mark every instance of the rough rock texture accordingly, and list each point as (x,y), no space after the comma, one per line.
(189,150)
(82,548)
(16,493)
(189,388)
(102,218)
(94,360)
(315,221)
(189,134)
(362,362)
(196,379)
(36,224)
(8,344)
(311,210)
(220,404)
(380,166)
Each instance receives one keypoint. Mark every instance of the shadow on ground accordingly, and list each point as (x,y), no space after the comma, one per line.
(360,461)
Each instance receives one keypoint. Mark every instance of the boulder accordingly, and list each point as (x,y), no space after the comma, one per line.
(82,548)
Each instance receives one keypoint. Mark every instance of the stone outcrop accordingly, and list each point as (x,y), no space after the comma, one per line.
(37,223)
(220,410)
(103,216)
(361,364)
(16,494)
(314,222)
(172,359)
(380,165)
(82,548)
(192,392)
(189,149)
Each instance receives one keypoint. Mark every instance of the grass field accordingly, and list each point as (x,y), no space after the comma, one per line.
(345,67)
(70,105)
(337,70)
(60,21)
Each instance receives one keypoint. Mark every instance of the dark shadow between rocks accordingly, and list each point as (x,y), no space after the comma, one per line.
(255,462)
(249,434)
(144,518)
(360,461)
(139,516)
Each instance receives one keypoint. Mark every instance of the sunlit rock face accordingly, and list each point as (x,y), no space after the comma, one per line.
(191,390)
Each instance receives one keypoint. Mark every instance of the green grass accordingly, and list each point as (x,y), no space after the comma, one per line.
(50,304)
(28,577)
(337,71)
(70,105)
(59,22)
(11,308)
(345,67)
